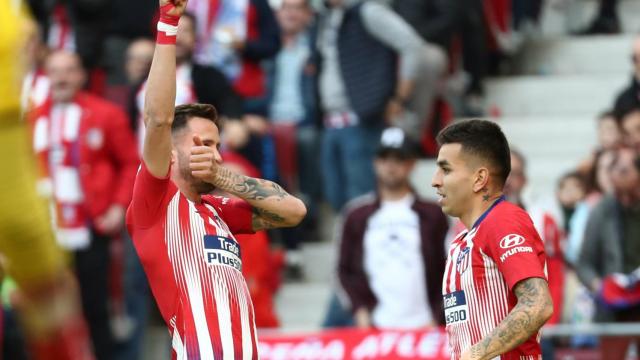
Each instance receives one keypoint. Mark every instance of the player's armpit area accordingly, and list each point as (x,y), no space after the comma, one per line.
(533,309)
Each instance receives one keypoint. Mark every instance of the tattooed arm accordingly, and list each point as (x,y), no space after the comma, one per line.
(533,309)
(272,206)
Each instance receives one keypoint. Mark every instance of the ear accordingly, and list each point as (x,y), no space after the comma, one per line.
(174,156)
(481,179)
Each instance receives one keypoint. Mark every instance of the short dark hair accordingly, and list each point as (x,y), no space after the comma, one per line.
(184,113)
(481,138)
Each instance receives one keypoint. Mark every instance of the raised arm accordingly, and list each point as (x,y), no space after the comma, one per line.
(534,308)
(159,102)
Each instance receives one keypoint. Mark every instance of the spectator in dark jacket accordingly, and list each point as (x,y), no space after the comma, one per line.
(392,246)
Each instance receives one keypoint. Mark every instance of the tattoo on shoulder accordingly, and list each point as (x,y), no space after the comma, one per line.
(528,291)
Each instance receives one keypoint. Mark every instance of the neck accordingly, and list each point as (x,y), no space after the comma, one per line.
(387,194)
(186,189)
(289,38)
(479,207)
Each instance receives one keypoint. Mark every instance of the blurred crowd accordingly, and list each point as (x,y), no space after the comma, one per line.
(333,100)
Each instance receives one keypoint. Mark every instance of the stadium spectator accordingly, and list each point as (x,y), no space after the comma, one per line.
(612,245)
(292,103)
(629,98)
(294,127)
(392,248)
(598,183)
(572,189)
(88,159)
(580,305)
(235,36)
(630,125)
(138,60)
(361,89)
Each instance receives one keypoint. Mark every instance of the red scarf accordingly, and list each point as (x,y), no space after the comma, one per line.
(56,141)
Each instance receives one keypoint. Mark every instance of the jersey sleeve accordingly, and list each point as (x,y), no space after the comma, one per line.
(516,248)
(236,213)
(149,194)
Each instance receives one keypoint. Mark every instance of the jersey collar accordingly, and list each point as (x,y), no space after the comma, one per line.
(484,215)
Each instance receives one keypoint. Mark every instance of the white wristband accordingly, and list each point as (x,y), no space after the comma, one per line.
(168,30)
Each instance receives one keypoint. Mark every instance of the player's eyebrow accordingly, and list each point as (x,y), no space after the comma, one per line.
(442,163)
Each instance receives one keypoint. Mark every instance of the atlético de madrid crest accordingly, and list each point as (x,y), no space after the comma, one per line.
(462,262)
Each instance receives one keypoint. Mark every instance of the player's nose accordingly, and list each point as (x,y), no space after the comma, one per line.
(436,180)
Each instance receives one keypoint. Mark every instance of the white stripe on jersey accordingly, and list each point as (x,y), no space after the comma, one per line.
(221,294)
(247,345)
(178,346)
(467,282)
(194,283)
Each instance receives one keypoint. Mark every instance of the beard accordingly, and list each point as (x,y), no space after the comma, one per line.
(393,184)
(200,186)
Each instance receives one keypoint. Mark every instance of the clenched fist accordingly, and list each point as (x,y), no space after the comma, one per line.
(172,8)
(204,161)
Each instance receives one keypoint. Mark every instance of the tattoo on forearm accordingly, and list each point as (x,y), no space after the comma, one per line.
(247,187)
(265,219)
(521,323)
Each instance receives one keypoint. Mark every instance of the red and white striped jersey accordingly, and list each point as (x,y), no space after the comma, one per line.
(192,261)
(483,266)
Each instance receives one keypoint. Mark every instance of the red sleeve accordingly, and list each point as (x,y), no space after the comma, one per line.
(236,213)
(149,194)
(124,150)
(515,246)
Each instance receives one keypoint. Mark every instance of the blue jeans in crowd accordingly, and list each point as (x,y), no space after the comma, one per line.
(347,163)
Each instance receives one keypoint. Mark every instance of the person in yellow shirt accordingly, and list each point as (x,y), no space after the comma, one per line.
(48,305)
